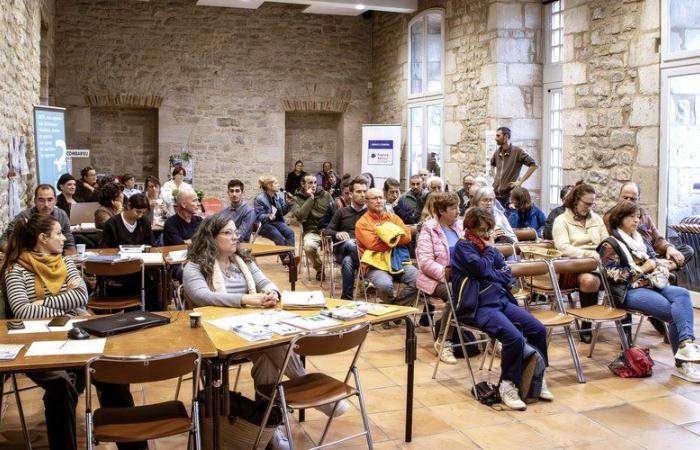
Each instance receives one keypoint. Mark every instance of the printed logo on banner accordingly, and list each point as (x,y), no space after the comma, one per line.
(381,152)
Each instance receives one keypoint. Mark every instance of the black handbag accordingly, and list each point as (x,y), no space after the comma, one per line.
(486,393)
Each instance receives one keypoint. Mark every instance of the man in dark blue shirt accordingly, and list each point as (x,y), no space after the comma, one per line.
(180,228)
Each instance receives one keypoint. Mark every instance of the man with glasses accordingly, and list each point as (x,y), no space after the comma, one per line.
(242,213)
(342,229)
(44,203)
(463,193)
(368,239)
(311,203)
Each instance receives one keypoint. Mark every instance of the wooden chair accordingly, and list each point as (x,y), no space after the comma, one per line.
(99,301)
(318,389)
(525,234)
(596,314)
(550,318)
(152,421)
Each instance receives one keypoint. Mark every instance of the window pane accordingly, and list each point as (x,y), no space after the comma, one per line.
(417,57)
(555,38)
(556,54)
(556,21)
(684,20)
(416,138)
(556,6)
(434,53)
(434,139)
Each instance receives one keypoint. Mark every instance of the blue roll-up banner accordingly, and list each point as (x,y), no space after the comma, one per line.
(50,141)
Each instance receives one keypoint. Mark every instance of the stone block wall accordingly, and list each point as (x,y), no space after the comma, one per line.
(611,96)
(222,73)
(20,81)
(312,138)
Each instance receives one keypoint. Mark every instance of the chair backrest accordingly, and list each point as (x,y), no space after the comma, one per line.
(574,265)
(529,268)
(318,344)
(448,274)
(112,268)
(507,250)
(525,234)
(142,369)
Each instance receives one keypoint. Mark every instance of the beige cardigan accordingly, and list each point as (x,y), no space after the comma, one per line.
(575,240)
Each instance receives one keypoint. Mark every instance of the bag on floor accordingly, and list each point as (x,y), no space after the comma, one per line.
(239,430)
(486,393)
(532,374)
(634,362)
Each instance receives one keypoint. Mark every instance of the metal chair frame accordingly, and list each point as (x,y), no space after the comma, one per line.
(20,410)
(143,277)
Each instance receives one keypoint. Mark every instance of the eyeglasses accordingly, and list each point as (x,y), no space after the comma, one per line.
(587,204)
(230,233)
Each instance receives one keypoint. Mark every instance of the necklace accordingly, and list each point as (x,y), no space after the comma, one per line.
(230,270)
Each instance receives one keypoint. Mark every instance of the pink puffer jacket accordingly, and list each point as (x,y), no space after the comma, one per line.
(433,254)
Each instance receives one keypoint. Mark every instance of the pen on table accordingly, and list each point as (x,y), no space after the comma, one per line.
(63,345)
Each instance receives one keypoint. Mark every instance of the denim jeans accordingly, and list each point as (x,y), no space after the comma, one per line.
(383,283)
(346,256)
(278,232)
(672,304)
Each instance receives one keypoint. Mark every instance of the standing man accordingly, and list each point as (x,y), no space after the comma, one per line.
(342,229)
(506,164)
(44,203)
(241,213)
(311,203)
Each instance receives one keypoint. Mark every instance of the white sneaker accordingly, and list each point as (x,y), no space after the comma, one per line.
(689,352)
(279,440)
(510,397)
(545,393)
(339,411)
(688,371)
(447,356)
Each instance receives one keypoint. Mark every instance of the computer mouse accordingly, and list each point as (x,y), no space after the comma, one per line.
(77,333)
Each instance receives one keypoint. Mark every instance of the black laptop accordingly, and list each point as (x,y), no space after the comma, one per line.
(122,323)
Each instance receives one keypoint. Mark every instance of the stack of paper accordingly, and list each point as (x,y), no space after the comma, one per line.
(348,312)
(9,352)
(252,332)
(313,322)
(177,256)
(376,309)
(303,300)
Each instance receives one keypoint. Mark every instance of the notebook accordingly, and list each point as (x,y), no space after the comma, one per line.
(122,323)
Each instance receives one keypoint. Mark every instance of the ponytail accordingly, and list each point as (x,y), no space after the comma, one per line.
(24,236)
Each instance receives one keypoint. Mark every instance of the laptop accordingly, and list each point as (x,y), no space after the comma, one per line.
(122,323)
(83,212)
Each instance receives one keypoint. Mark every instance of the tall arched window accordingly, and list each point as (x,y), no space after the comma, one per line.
(426,42)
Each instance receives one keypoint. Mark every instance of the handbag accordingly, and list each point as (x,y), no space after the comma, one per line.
(634,362)
(486,393)
(658,279)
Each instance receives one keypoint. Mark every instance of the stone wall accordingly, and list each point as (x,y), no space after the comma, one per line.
(312,138)
(222,73)
(20,81)
(611,96)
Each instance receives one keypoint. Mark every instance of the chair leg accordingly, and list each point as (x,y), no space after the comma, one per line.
(177,387)
(639,327)
(493,354)
(442,345)
(574,354)
(88,431)
(594,338)
(196,433)
(549,336)
(363,411)
(623,336)
(287,423)
(486,351)
(20,411)
(266,417)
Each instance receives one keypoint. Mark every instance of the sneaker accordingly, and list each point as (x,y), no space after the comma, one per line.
(545,393)
(341,409)
(447,356)
(279,440)
(689,352)
(510,397)
(688,371)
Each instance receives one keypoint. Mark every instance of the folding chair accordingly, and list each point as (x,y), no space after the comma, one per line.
(596,314)
(100,302)
(255,231)
(525,234)
(508,250)
(328,260)
(20,410)
(153,421)
(302,253)
(361,282)
(424,299)
(318,389)
(554,317)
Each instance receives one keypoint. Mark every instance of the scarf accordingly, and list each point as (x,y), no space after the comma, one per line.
(217,276)
(476,240)
(49,270)
(635,243)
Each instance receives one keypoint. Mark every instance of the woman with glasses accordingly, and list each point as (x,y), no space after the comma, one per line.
(486,198)
(160,208)
(483,281)
(577,234)
(219,273)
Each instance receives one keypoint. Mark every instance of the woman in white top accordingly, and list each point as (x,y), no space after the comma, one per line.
(160,207)
(486,198)
(176,184)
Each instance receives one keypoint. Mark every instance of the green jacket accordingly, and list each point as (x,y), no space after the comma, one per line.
(309,211)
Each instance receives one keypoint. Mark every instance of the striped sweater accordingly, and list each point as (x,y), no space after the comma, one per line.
(21,294)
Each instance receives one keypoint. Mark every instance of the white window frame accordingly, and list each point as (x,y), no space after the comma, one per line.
(551,80)
(546,146)
(547,11)
(669,58)
(421,17)
(424,145)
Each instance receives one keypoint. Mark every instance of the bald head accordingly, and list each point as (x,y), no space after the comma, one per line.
(187,202)
(629,192)
(375,200)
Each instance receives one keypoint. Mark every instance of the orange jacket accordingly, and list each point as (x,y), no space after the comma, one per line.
(367,239)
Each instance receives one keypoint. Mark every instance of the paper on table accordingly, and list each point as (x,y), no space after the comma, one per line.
(83,347)
(42,326)
(152,258)
(178,255)
(259,318)
(303,299)
(9,352)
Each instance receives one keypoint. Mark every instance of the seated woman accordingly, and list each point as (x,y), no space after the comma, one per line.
(159,207)
(437,239)
(270,209)
(631,265)
(524,214)
(577,233)
(219,274)
(40,283)
(483,280)
(486,198)
(66,187)
(111,202)
(130,227)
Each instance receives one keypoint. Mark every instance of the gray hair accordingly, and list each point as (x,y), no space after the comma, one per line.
(481,193)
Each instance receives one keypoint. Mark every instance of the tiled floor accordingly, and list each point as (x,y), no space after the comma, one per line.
(605,412)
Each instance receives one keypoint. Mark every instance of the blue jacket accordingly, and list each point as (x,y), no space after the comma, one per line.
(479,280)
(533,219)
(263,207)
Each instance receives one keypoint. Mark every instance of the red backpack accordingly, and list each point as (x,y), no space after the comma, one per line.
(634,362)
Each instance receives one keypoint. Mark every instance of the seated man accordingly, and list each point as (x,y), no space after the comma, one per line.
(410,204)
(242,213)
(392,192)
(368,239)
(180,228)
(463,193)
(44,203)
(311,203)
(342,229)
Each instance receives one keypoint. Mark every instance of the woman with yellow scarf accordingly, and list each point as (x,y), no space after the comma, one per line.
(40,283)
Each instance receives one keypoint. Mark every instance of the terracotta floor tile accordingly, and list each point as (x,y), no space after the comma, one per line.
(342,427)
(669,438)
(431,394)
(627,419)
(422,373)
(478,415)
(424,423)
(632,389)
(584,397)
(569,429)
(452,440)
(510,436)
(674,408)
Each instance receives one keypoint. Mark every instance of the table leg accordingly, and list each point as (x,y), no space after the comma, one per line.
(302,412)
(217,397)
(292,271)
(410,360)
